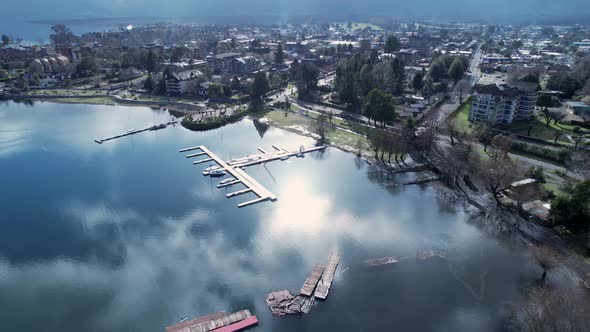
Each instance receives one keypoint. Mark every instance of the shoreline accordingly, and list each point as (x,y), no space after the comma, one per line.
(536,234)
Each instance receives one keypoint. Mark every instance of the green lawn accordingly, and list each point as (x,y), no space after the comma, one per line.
(335,136)
(54,92)
(84,100)
(540,129)
(461,118)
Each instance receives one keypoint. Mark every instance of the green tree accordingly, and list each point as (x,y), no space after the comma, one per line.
(87,66)
(306,78)
(379,106)
(573,207)
(259,87)
(279,55)
(255,43)
(5,40)
(392,44)
(215,90)
(235,83)
(148,84)
(438,69)
(456,70)
(178,53)
(62,34)
(161,87)
(418,81)
(151,61)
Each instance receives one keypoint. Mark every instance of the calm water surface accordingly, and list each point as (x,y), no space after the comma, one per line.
(129,236)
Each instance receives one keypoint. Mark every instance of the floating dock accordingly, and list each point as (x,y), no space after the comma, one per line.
(312,280)
(328,276)
(187,324)
(136,131)
(431,253)
(219,322)
(239,326)
(383,261)
(235,168)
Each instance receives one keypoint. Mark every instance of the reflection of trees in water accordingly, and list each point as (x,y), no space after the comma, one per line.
(358,162)
(261,127)
(447,201)
(26,102)
(321,154)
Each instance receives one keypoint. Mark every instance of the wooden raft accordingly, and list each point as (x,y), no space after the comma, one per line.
(328,276)
(312,280)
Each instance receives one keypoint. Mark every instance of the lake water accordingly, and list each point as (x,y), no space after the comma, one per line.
(129,236)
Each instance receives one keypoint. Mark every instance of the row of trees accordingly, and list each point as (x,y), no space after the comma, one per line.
(305,76)
(451,67)
(574,81)
(358,75)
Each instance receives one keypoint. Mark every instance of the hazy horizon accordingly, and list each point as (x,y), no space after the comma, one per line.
(499,10)
(17,16)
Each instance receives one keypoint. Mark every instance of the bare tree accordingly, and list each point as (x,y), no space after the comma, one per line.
(500,147)
(320,127)
(547,259)
(484,134)
(497,176)
(462,88)
(546,309)
(454,131)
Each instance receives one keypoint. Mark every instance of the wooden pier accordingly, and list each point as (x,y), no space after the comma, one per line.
(312,280)
(235,168)
(132,132)
(328,276)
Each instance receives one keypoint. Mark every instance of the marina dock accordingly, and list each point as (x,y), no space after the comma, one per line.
(136,131)
(328,276)
(312,280)
(235,168)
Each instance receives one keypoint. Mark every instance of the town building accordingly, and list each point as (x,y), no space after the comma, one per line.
(500,103)
(408,56)
(577,108)
(222,63)
(420,43)
(244,65)
(179,83)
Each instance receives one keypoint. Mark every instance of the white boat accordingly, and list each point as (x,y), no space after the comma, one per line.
(285,157)
(130,130)
(210,168)
(226,181)
(217,172)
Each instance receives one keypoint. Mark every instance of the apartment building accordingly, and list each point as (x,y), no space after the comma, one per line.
(501,103)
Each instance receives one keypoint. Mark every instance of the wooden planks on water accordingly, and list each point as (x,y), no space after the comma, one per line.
(187,324)
(328,276)
(312,280)
(224,321)
(239,326)
(430,253)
